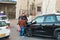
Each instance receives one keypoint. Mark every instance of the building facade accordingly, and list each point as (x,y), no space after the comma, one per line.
(27,6)
(9,8)
(58,6)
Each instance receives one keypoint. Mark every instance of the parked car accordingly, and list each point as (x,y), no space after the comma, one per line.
(5,18)
(45,25)
(4,30)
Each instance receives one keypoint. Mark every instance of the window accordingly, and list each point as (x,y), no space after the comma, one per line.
(58,18)
(50,19)
(2,24)
(39,19)
(39,8)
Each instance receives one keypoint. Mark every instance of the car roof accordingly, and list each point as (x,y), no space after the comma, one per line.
(50,14)
(58,14)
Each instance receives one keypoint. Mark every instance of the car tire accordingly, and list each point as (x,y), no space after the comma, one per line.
(29,33)
(58,36)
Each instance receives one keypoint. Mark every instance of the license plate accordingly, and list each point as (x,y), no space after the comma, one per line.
(1,35)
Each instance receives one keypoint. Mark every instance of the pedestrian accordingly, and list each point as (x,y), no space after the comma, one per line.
(23,15)
(22,24)
(20,16)
(26,19)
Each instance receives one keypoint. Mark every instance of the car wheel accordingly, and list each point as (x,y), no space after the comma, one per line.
(58,36)
(29,33)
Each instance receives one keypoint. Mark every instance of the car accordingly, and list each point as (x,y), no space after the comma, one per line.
(44,25)
(5,18)
(4,30)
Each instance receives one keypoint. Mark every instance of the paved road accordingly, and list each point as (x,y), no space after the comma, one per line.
(15,34)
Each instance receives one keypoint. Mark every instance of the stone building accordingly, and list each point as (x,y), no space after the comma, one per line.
(58,6)
(9,8)
(26,6)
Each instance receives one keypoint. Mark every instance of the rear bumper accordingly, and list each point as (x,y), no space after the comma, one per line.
(6,34)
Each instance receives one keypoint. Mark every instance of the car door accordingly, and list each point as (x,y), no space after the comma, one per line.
(48,24)
(36,24)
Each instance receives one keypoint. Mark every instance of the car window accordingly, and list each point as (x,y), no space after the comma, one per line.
(3,18)
(0,18)
(58,18)
(2,24)
(39,19)
(50,19)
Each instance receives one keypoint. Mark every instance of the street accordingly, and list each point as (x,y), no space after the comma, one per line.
(43,17)
(15,34)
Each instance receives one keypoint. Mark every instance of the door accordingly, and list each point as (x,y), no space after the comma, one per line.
(49,24)
(36,25)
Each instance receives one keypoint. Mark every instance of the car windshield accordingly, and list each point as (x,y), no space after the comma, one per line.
(58,18)
(2,23)
(3,18)
(39,19)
